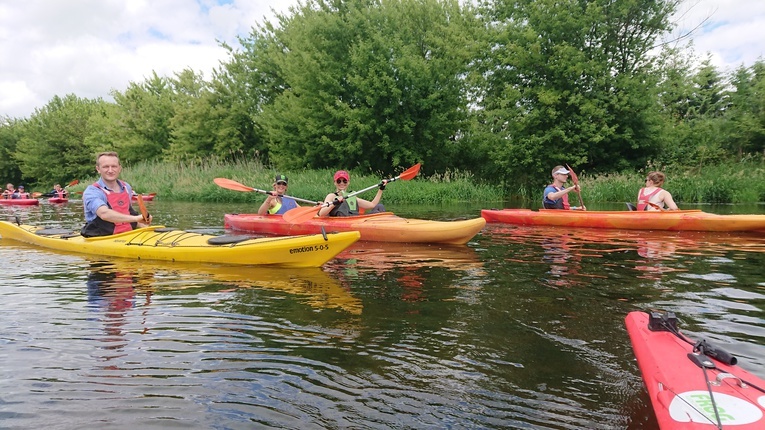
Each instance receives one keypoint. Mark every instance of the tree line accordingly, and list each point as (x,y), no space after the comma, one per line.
(505,89)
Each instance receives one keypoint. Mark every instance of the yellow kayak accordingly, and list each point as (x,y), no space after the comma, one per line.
(160,243)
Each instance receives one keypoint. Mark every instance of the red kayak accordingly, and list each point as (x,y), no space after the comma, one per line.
(58,200)
(146,197)
(21,202)
(693,385)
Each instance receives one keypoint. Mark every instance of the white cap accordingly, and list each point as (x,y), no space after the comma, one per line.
(561,171)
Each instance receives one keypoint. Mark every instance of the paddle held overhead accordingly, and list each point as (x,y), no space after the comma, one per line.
(302,214)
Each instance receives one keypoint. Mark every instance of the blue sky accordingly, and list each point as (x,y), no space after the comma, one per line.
(91,47)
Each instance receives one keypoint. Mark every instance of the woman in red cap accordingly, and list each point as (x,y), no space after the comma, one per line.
(339,205)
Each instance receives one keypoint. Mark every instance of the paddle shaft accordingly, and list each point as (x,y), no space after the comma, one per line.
(274,193)
(355,193)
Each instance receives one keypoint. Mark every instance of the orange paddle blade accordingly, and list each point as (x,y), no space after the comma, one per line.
(73,183)
(301,214)
(36,194)
(410,172)
(574,179)
(142,207)
(231,185)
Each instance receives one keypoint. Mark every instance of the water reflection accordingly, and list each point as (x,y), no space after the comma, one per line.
(652,254)
(522,328)
(311,286)
(111,295)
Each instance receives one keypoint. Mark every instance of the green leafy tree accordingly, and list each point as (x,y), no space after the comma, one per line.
(10,134)
(211,119)
(363,83)
(745,119)
(53,146)
(139,128)
(568,81)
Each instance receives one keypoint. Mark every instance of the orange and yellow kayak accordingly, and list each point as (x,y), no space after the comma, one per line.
(379,227)
(691,220)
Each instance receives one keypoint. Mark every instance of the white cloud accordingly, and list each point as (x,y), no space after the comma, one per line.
(91,47)
(732,31)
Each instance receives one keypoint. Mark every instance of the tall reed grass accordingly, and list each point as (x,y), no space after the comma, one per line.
(194,182)
(741,182)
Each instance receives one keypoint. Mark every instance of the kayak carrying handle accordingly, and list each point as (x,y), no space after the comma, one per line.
(722,376)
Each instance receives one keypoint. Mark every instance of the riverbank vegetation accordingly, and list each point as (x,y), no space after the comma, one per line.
(193,181)
(488,96)
(741,182)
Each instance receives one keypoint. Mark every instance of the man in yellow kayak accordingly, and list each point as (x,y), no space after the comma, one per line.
(556,194)
(107,201)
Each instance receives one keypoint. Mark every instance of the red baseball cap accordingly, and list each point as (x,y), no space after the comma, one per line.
(342,174)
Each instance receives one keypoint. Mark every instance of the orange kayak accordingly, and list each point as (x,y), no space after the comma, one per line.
(379,227)
(691,220)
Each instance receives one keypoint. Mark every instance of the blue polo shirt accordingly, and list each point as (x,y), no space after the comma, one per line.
(93,198)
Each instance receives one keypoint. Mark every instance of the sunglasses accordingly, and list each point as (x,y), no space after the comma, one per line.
(342,181)
(281,183)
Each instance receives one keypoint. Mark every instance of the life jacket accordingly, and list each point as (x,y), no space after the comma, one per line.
(283,206)
(643,199)
(348,207)
(119,202)
(561,203)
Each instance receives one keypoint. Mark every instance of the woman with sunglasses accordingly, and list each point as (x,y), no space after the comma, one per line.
(652,197)
(342,206)
(277,203)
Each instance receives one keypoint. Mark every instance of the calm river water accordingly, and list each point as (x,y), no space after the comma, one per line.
(521,328)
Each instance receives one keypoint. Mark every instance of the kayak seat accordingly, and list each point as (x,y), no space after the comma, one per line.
(630,206)
(227,239)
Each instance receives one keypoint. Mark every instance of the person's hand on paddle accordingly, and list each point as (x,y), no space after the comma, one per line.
(145,222)
(382,184)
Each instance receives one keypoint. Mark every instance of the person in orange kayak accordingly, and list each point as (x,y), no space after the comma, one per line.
(277,203)
(556,194)
(339,205)
(107,201)
(652,197)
